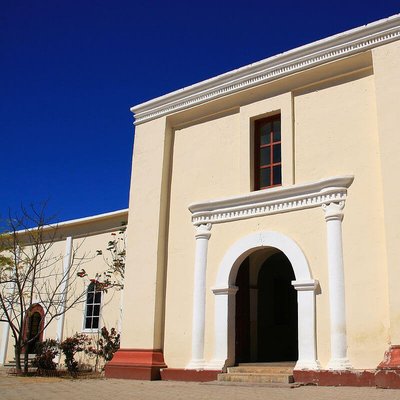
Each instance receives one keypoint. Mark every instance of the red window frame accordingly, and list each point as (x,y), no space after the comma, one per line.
(270,147)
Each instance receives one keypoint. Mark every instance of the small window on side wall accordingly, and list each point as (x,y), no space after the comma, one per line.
(93,304)
(267,153)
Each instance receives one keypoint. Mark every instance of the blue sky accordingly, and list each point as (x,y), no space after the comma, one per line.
(70,71)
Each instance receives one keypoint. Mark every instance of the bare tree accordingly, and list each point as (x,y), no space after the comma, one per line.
(33,272)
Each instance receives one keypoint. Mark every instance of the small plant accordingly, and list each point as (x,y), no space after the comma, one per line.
(115,260)
(72,345)
(109,343)
(106,345)
(45,353)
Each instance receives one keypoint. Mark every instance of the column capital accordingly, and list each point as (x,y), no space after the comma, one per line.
(203,231)
(333,211)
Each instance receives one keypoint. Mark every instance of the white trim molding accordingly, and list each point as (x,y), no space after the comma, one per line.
(302,58)
(272,201)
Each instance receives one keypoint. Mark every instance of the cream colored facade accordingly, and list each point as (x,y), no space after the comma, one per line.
(82,238)
(194,214)
(195,217)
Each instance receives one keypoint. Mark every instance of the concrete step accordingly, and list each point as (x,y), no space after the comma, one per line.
(261,369)
(12,363)
(254,384)
(266,373)
(256,378)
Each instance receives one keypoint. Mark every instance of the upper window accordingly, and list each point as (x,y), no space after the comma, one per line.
(267,153)
(93,303)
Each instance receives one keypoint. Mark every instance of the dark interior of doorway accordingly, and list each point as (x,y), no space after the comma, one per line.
(35,320)
(272,335)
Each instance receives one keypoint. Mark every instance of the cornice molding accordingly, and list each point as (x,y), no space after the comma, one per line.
(320,52)
(272,201)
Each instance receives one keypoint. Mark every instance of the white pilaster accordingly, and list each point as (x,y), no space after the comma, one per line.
(224,329)
(199,297)
(306,324)
(6,325)
(64,286)
(4,342)
(334,217)
(6,334)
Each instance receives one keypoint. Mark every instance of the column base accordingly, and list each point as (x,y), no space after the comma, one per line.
(339,364)
(196,365)
(313,365)
(216,365)
(139,364)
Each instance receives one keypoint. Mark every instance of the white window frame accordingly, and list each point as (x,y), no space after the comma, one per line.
(93,304)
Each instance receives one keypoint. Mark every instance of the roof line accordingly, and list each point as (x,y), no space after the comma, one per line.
(301,58)
(92,218)
(66,224)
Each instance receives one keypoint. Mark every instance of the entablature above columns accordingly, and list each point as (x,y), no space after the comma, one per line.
(273,201)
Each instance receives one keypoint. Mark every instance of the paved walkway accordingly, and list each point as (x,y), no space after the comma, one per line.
(112,389)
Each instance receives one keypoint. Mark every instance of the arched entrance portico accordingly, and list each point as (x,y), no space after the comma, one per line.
(225,297)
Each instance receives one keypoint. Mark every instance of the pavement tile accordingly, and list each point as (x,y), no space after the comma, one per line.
(39,388)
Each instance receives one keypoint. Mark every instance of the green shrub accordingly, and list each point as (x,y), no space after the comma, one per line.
(105,346)
(45,353)
(72,345)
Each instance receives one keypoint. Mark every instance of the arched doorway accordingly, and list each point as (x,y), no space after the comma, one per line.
(266,309)
(263,244)
(33,327)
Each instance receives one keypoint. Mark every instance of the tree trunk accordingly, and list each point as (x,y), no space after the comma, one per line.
(26,359)
(26,344)
(17,355)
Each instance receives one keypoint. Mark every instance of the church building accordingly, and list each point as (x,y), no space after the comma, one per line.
(264,219)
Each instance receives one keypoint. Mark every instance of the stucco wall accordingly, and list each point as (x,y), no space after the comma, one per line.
(386,61)
(336,133)
(328,129)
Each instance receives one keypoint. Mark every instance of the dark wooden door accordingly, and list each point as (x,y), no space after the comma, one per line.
(242,322)
(34,323)
(276,311)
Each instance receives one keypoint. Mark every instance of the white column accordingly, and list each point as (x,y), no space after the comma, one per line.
(224,326)
(306,324)
(64,286)
(6,333)
(199,297)
(6,325)
(334,217)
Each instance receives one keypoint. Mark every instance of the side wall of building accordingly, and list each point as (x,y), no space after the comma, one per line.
(87,239)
